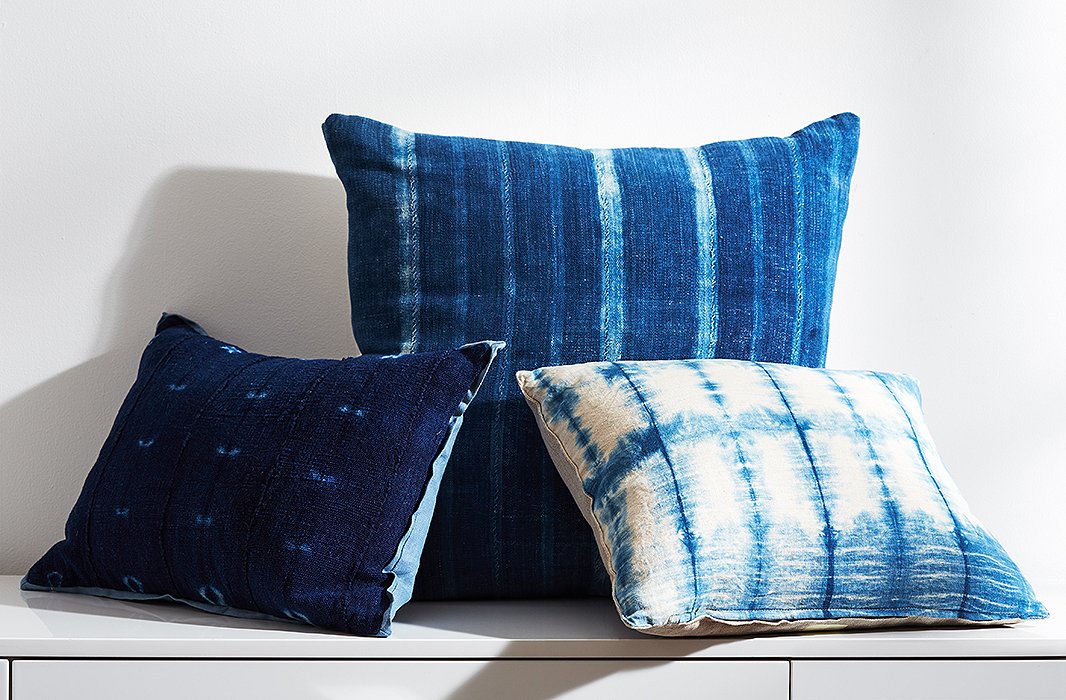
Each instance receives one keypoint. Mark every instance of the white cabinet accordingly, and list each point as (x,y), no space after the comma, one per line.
(399,680)
(55,646)
(933,679)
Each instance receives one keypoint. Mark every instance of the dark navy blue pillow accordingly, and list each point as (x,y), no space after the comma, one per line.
(725,250)
(267,487)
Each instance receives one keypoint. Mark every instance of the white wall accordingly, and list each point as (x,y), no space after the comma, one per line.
(168,156)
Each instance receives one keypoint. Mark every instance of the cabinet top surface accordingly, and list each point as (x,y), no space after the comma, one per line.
(37,624)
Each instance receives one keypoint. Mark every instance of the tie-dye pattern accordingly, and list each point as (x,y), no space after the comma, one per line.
(740,491)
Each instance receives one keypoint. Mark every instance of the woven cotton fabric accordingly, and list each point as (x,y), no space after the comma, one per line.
(269,487)
(729,492)
(570,255)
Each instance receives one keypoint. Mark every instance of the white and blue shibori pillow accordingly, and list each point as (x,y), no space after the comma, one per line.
(731,497)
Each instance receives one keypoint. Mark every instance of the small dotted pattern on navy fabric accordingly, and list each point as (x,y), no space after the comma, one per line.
(262,486)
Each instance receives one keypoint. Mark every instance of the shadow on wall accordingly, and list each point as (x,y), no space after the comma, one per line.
(257,258)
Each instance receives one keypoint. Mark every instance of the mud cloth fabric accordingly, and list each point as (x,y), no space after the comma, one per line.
(735,497)
(571,255)
(267,487)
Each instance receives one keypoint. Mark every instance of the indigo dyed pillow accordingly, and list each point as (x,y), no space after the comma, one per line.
(267,487)
(732,497)
(571,255)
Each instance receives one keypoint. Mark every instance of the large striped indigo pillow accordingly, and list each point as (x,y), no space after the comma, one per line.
(736,497)
(571,255)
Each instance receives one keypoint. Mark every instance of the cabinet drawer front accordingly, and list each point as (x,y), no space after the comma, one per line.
(929,680)
(397,680)
(4,678)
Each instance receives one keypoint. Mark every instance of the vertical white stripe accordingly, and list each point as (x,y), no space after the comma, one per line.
(751,165)
(556,330)
(839,191)
(502,451)
(558,257)
(407,214)
(612,307)
(706,252)
(797,215)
